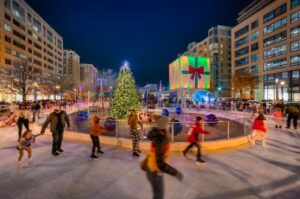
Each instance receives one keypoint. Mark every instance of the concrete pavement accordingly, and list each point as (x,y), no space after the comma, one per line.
(250,172)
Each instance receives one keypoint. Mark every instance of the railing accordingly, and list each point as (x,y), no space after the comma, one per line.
(238,125)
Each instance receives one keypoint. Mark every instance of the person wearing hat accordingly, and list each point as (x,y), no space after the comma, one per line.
(57,119)
(133,123)
(156,162)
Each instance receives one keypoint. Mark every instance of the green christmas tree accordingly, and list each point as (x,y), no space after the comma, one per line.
(125,95)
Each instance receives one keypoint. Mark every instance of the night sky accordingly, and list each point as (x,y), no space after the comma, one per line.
(149,34)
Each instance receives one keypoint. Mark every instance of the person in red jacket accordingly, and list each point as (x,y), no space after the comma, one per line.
(259,128)
(193,139)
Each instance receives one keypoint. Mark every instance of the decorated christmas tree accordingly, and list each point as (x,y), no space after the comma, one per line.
(125,95)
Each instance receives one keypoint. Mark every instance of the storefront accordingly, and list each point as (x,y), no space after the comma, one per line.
(286,85)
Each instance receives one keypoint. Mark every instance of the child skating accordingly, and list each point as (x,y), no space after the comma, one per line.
(25,145)
(193,139)
(278,117)
(95,132)
(259,129)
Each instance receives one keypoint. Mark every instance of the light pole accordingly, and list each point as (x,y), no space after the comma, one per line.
(75,96)
(276,89)
(282,84)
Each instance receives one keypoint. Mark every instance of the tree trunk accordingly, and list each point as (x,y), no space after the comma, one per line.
(23,95)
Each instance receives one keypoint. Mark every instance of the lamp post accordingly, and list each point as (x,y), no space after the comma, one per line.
(75,96)
(276,89)
(282,84)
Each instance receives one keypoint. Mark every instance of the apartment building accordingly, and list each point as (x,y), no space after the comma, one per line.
(266,42)
(71,67)
(89,76)
(217,47)
(26,36)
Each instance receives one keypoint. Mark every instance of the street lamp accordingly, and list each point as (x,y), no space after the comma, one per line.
(282,84)
(75,90)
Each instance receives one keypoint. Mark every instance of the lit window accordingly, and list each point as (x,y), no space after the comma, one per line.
(295,45)
(7,28)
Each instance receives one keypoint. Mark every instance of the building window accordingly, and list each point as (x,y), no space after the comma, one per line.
(19,35)
(295,3)
(37,54)
(19,55)
(8,50)
(242,61)
(254,24)
(295,45)
(281,63)
(50,36)
(19,45)
(7,28)
(254,58)
(275,51)
(275,39)
(29,41)
(295,74)
(37,46)
(7,39)
(242,51)
(254,35)
(36,25)
(275,26)
(254,47)
(241,42)
(8,61)
(243,70)
(295,16)
(19,25)
(7,4)
(7,16)
(242,31)
(30,50)
(295,31)
(18,10)
(254,69)
(275,13)
(295,60)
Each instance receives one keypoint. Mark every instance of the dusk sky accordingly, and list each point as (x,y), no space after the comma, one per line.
(149,34)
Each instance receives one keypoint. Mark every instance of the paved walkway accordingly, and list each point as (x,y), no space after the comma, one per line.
(251,172)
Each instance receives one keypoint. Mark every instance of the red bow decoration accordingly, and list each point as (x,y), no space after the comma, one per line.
(193,71)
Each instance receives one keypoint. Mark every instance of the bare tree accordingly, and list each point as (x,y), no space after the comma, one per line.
(21,78)
(242,81)
(108,78)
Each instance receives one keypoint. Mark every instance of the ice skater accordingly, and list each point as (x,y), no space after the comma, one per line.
(95,132)
(25,145)
(156,162)
(278,117)
(193,139)
(135,135)
(259,128)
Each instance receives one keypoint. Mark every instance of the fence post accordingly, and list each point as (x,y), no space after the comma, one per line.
(202,135)
(228,130)
(172,131)
(117,135)
(244,121)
